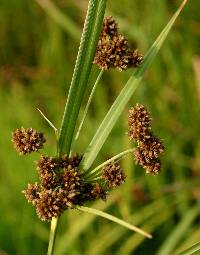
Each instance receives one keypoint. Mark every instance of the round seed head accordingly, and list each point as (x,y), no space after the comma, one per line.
(49,204)
(113,175)
(47,167)
(139,121)
(32,193)
(27,140)
(109,27)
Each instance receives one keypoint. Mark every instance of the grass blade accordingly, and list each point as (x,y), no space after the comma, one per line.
(125,95)
(194,250)
(178,232)
(114,219)
(89,40)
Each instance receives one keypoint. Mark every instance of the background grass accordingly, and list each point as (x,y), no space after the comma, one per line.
(37,56)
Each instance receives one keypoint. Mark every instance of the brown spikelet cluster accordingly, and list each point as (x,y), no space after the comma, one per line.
(113,51)
(113,175)
(149,148)
(62,186)
(31,193)
(27,140)
(93,191)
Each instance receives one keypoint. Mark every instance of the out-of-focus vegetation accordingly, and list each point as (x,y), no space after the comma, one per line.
(37,54)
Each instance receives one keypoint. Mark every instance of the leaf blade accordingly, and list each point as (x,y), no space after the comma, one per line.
(87,48)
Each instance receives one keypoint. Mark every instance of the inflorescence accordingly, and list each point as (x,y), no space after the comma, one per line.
(62,184)
(26,140)
(113,175)
(113,50)
(149,148)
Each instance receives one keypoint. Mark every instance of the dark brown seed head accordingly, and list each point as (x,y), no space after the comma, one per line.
(139,157)
(27,140)
(113,51)
(139,123)
(90,192)
(49,204)
(113,175)
(152,148)
(109,27)
(134,58)
(147,160)
(154,167)
(72,182)
(32,193)
(103,54)
(47,171)
(97,192)
(74,161)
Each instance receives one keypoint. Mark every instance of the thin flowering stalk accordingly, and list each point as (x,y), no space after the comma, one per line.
(116,157)
(93,179)
(88,104)
(54,226)
(114,219)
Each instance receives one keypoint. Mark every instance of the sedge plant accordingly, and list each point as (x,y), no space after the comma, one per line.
(68,180)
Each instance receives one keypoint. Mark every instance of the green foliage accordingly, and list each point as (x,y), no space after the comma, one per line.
(36,63)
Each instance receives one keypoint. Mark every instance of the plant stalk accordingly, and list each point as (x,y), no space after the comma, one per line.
(88,104)
(89,172)
(52,237)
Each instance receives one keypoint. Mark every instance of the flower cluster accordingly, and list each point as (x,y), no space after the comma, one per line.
(27,140)
(113,50)
(149,148)
(62,184)
(113,175)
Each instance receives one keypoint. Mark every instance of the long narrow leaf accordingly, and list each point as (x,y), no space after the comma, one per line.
(178,232)
(89,40)
(125,95)
(194,250)
(114,219)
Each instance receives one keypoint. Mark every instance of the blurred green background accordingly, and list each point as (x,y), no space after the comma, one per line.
(38,47)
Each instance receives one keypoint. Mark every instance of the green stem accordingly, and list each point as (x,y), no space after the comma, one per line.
(114,219)
(87,49)
(88,104)
(54,224)
(193,250)
(118,156)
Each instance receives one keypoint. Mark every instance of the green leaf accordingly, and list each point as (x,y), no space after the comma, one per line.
(125,95)
(178,232)
(89,40)
(114,219)
(193,250)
